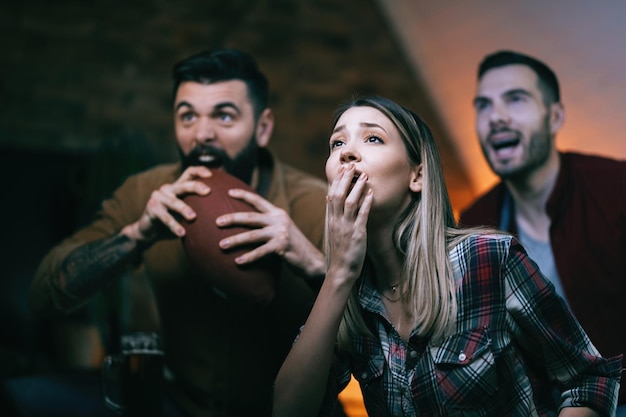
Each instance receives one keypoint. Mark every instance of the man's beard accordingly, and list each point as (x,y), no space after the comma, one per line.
(241,166)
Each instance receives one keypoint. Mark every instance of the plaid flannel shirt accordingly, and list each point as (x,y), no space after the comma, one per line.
(516,349)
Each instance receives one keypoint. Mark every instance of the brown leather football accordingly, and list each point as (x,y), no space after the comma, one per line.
(254,282)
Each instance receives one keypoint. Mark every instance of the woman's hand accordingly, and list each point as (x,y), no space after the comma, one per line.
(349,204)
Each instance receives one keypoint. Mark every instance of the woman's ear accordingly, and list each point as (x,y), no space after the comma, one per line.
(415,183)
(264,128)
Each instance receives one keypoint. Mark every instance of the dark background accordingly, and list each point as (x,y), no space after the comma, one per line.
(85,100)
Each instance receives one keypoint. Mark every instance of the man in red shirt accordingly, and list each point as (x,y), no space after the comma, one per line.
(568,209)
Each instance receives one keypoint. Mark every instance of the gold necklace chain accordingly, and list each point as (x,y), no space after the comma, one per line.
(393,290)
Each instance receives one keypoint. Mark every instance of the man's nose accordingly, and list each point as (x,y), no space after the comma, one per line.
(499,115)
(205,131)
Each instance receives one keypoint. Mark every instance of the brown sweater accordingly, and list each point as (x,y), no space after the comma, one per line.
(223,354)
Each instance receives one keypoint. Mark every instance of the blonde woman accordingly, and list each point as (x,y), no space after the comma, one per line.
(431,320)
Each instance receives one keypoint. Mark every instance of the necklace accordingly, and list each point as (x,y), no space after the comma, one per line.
(393,288)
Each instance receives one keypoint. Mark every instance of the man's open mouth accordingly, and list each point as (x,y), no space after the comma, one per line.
(507,143)
(209,160)
(504,139)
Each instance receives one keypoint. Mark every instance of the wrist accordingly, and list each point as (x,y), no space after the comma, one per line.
(132,232)
(317,268)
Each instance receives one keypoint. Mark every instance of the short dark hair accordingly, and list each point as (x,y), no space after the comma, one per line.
(549,84)
(224,64)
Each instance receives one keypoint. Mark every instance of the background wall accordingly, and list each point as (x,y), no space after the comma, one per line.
(582,41)
(86,92)
(85,100)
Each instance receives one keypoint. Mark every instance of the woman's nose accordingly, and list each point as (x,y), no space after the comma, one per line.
(349,154)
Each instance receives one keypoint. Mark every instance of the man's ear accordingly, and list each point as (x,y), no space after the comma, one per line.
(264,128)
(557,117)
(415,183)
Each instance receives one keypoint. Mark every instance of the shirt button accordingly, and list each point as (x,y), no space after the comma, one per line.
(364,375)
(462,356)
(413,354)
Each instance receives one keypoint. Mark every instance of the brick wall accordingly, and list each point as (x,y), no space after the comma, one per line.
(83,76)
(86,99)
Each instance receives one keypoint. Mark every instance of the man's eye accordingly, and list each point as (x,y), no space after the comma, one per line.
(480,105)
(187,117)
(226,117)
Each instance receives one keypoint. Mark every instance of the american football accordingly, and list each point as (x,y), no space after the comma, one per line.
(254,282)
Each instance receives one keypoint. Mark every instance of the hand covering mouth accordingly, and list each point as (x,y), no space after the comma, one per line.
(355,178)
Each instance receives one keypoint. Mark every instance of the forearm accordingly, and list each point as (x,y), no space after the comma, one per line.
(578,412)
(89,267)
(316,266)
(302,380)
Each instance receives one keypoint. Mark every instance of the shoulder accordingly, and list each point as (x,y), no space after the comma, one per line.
(137,188)
(578,160)
(303,196)
(592,166)
(297,185)
(591,175)
(296,178)
(484,246)
(485,209)
(159,173)
(480,255)
(154,177)
(478,242)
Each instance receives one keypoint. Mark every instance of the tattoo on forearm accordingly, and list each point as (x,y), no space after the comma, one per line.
(88,268)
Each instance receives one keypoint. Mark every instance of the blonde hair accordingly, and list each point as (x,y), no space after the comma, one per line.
(423,234)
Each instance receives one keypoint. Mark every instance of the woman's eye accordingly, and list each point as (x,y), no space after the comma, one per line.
(374,139)
(335,144)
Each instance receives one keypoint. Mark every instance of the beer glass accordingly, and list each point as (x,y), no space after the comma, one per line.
(138,370)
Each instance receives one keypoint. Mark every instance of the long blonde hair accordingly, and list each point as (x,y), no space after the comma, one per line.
(423,234)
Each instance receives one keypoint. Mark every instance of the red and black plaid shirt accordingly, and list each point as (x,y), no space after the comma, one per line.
(516,351)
